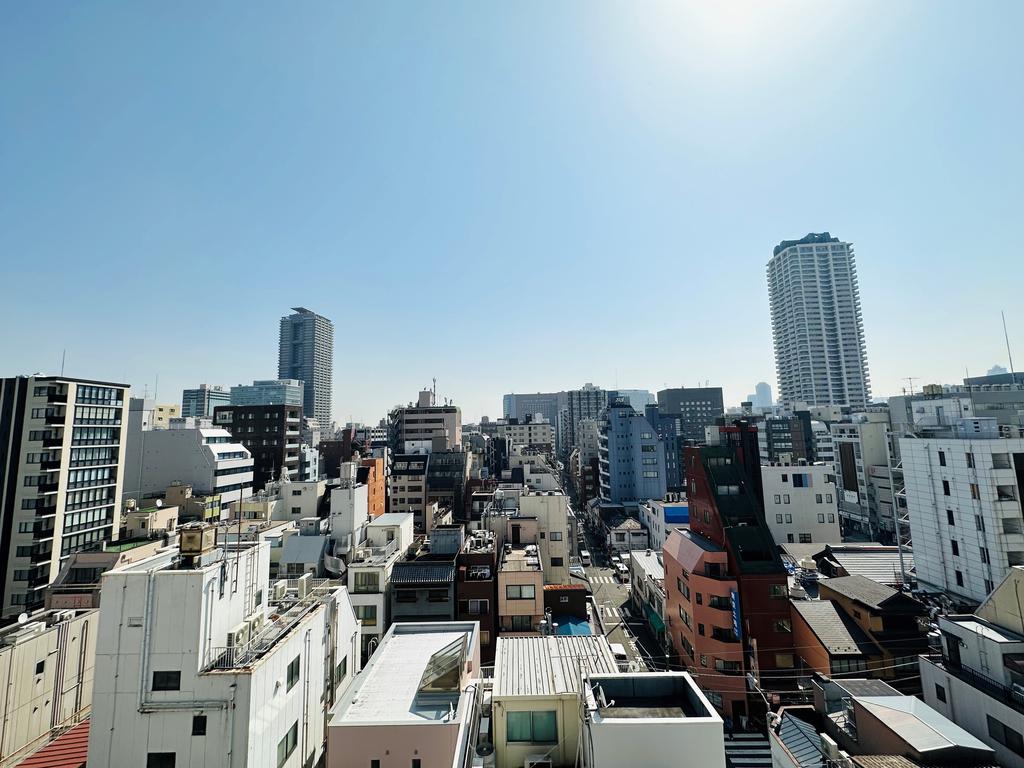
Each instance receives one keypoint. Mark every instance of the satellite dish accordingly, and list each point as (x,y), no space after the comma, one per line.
(159,503)
(23,618)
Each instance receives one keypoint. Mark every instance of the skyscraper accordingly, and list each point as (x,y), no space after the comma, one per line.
(199,403)
(306,352)
(816,323)
(763,395)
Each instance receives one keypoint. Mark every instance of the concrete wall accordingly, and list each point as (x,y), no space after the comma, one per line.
(806,504)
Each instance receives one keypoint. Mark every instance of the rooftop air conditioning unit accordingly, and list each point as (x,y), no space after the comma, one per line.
(280,590)
(239,636)
(539,761)
(829,747)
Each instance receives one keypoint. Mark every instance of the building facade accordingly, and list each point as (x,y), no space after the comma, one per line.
(694,409)
(271,434)
(62,466)
(199,403)
(306,353)
(820,356)
(586,403)
(269,392)
(800,503)
(631,457)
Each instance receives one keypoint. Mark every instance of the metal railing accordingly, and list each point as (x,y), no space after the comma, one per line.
(993,688)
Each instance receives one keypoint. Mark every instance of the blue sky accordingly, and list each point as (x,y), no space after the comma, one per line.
(510,197)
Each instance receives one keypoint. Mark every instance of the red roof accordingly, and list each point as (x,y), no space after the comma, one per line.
(561,587)
(68,750)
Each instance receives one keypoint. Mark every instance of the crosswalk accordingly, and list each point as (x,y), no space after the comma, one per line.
(610,610)
(603,580)
(748,750)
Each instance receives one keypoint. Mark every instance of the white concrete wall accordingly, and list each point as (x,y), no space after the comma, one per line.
(654,743)
(810,510)
(552,513)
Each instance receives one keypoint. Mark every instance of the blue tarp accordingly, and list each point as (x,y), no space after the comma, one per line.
(570,625)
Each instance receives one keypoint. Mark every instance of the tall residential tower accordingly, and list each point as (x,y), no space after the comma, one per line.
(816,323)
(306,352)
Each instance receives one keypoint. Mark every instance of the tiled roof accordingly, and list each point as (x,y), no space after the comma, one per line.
(862,589)
(802,740)
(837,633)
(881,564)
(423,573)
(69,750)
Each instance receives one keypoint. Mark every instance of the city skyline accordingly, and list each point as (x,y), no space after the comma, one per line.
(671,141)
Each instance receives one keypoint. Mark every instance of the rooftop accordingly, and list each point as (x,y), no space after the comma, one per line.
(983,628)
(549,666)
(919,725)
(423,572)
(69,750)
(414,676)
(650,562)
(878,563)
(647,696)
(521,558)
(868,592)
(838,633)
(390,518)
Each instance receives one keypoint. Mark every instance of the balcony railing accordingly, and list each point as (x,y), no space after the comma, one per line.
(993,688)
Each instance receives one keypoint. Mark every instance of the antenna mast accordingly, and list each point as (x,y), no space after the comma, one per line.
(1006,336)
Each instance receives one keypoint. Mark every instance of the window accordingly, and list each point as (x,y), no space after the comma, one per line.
(533,727)
(783,625)
(703,660)
(778,591)
(167,681)
(970,460)
(828,498)
(520,591)
(975,492)
(785,498)
(556,536)
(296,510)
(375,764)
(1005,735)
(40,666)
(950,518)
(805,538)
(984,555)
(789,518)
(341,671)
(293,672)
(367,614)
(956,547)
(198,725)
(700,599)
(160,760)
(821,517)
(778,498)
(521,624)
(437,595)
(287,744)
(784,660)
(940,692)
(778,519)
(959,578)
(700,629)
(417,763)
(557,562)
(790,539)
(831,517)
(366,581)
(945,487)
(474,607)
(817,499)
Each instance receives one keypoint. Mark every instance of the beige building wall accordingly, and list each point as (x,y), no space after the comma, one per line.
(46,673)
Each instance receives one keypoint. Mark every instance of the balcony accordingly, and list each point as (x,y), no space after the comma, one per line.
(49,466)
(56,419)
(992,688)
(48,487)
(723,635)
(53,442)
(57,397)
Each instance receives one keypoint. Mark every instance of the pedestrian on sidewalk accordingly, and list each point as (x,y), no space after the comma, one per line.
(728,726)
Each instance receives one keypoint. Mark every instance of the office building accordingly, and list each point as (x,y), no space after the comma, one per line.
(271,434)
(800,503)
(762,395)
(586,403)
(269,392)
(306,353)
(199,403)
(62,445)
(861,451)
(547,404)
(201,660)
(207,458)
(964,504)
(694,409)
(820,355)
(639,399)
(631,456)
(412,428)
(667,428)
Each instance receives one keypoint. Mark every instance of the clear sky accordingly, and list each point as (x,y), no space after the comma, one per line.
(510,197)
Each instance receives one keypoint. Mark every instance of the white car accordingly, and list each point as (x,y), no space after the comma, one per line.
(622,572)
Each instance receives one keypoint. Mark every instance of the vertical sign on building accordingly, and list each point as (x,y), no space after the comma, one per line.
(734,598)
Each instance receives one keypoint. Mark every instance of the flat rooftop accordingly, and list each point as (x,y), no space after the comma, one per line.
(983,628)
(389,689)
(649,696)
(521,560)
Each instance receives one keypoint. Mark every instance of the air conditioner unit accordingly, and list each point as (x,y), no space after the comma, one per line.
(239,636)
(255,624)
(539,761)
(829,747)
(280,590)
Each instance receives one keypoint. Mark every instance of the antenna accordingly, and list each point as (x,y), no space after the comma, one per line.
(910,380)
(1006,336)
(64,353)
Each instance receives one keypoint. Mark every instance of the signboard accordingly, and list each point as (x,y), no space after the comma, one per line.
(734,598)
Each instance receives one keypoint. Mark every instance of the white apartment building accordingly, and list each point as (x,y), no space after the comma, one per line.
(800,504)
(538,433)
(388,537)
(820,355)
(202,662)
(659,518)
(963,500)
(205,457)
(858,446)
(978,681)
(60,480)
(46,672)
(824,446)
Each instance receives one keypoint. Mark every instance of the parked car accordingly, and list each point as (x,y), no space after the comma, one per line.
(622,572)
